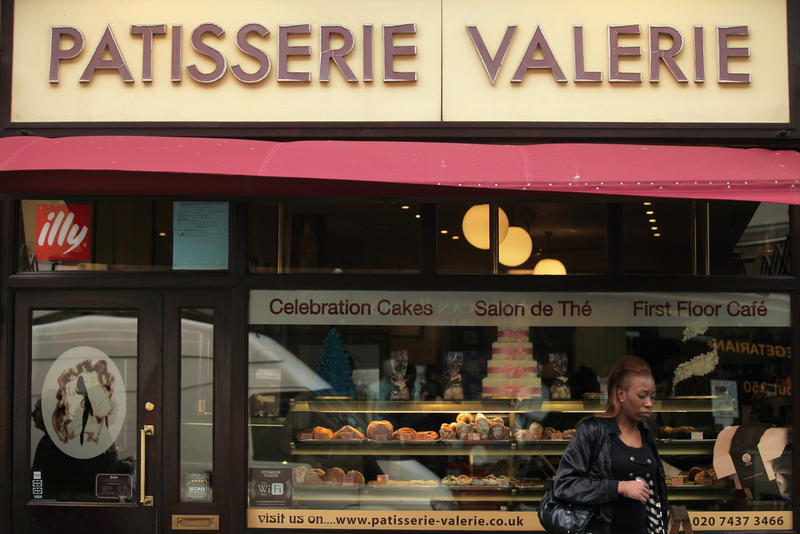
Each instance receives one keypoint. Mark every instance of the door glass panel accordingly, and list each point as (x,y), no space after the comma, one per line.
(83,399)
(197,402)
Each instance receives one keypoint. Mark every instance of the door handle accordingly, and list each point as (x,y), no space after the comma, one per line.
(147,430)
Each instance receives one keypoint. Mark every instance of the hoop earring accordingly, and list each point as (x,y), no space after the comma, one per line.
(621,402)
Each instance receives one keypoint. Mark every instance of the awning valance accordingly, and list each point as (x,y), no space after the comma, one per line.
(124,165)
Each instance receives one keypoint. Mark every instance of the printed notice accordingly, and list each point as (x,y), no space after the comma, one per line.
(200,235)
(271,487)
(113,486)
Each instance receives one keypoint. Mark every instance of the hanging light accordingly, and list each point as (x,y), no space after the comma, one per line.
(475,226)
(549,265)
(516,248)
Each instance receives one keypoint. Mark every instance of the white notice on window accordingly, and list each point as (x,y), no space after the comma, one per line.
(200,235)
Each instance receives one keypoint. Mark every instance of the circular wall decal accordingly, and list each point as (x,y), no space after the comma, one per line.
(83,402)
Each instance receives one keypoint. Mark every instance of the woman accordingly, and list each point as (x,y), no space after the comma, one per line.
(625,480)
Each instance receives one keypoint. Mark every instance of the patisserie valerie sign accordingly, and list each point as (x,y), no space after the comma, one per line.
(686,61)
(518,309)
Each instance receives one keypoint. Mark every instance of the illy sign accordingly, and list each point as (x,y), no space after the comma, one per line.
(62,232)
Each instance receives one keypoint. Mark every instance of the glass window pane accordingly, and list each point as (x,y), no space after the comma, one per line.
(197,402)
(83,398)
(122,235)
(372,237)
(749,238)
(334,401)
(657,236)
(262,237)
(569,236)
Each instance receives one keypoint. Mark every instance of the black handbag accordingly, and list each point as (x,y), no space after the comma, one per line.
(561,517)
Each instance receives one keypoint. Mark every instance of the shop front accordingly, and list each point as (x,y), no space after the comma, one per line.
(367,265)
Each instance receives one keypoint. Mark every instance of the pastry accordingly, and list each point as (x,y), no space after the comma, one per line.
(333,477)
(465,417)
(358,478)
(300,475)
(449,480)
(348,429)
(478,482)
(322,430)
(383,428)
(405,430)
(506,433)
(693,472)
(463,480)
(537,430)
(498,420)
(569,433)
(490,480)
(446,432)
(547,432)
(428,435)
(482,426)
(497,431)
(312,479)
(463,430)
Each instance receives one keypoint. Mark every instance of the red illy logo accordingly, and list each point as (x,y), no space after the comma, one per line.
(62,232)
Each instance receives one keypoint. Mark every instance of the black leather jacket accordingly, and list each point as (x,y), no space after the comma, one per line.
(584,480)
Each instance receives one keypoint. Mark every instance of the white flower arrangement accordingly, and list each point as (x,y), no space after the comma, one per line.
(699,365)
(692,331)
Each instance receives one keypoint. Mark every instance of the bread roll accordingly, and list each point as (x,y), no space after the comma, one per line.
(482,426)
(312,479)
(569,433)
(446,432)
(547,432)
(537,430)
(333,477)
(498,420)
(300,475)
(405,430)
(358,478)
(463,430)
(380,427)
(693,472)
(465,417)
(348,429)
(497,431)
(322,430)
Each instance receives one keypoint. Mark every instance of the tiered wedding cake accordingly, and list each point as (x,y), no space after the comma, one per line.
(512,369)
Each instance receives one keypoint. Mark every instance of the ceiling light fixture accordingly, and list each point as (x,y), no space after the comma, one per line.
(475,226)
(549,265)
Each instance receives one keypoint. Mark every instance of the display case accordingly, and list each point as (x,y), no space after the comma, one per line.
(504,474)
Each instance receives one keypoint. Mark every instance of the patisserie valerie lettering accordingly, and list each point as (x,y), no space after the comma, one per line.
(68,43)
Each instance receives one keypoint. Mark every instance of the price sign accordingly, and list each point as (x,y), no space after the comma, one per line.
(405,437)
(697,435)
(382,437)
(503,482)
(305,435)
(527,436)
(320,435)
(383,480)
(347,435)
(557,436)
(347,481)
(474,436)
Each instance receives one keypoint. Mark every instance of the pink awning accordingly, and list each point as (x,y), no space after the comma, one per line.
(233,167)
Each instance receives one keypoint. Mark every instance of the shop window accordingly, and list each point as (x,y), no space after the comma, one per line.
(658,237)
(535,238)
(378,237)
(749,238)
(122,235)
(360,408)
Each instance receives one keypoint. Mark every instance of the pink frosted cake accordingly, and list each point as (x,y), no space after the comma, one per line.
(512,369)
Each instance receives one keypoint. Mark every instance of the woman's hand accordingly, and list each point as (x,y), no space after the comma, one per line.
(638,490)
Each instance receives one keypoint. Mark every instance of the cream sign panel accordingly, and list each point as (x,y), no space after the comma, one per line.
(517,309)
(638,61)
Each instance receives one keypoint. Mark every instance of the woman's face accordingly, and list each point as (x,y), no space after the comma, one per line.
(637,401)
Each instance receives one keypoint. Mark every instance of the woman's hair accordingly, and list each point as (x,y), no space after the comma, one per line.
(620,379)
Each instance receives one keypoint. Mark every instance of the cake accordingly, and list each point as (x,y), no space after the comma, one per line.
(511,371)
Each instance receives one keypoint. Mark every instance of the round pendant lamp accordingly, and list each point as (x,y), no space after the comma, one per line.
(516,248)
(549,265)
(475,226)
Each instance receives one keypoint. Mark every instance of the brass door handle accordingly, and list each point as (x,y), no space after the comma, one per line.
(147,430)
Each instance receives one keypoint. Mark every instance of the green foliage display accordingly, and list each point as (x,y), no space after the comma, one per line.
(334,368)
